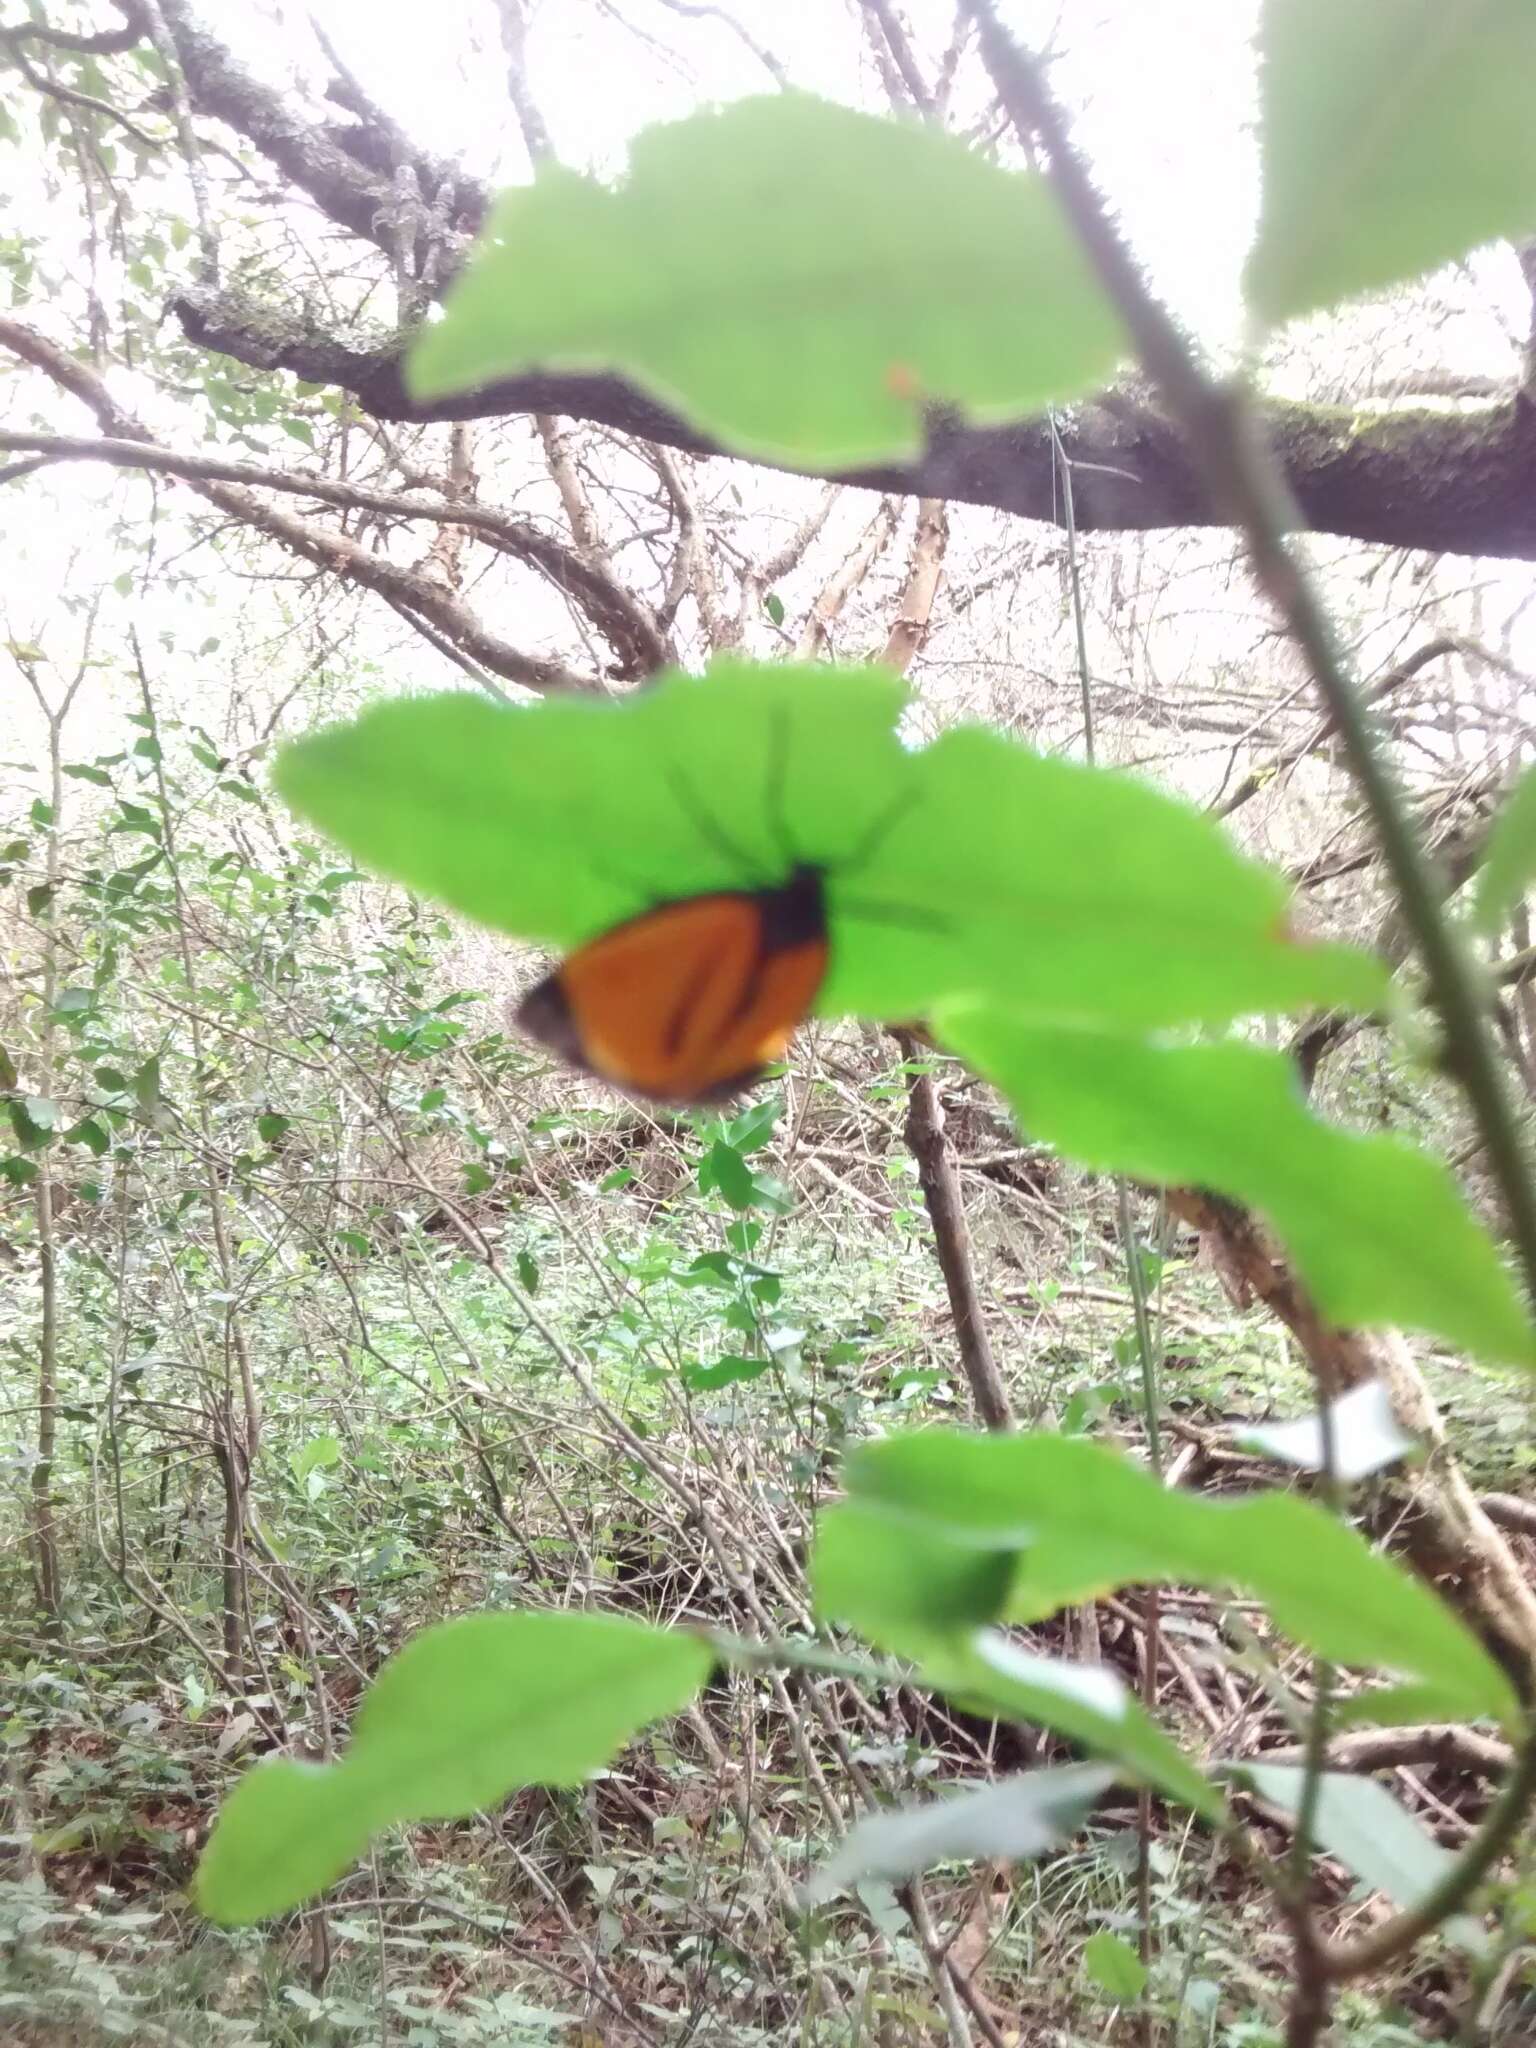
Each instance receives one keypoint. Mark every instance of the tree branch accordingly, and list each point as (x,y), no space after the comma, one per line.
(107,42)
(1399,476)
(1452,482)
(325,548)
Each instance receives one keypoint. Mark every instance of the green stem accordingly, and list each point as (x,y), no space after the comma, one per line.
(1246,486)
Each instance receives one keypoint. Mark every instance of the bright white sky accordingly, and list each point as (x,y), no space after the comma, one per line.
(1162,89)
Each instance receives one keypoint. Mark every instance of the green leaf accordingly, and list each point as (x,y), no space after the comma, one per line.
(971,865)
(287,1831)
(1080,1520)
(1089,1703)
(910,1591)
(796,278)
(725,1372)
(468,1710)
(84,772)
(41,1111)
(723,1168)
(146,1086)
(1394,136)
(1114,1967)
(300,430)
(318,1452)
(33,1118)
(1377,1229)
(1387,1706)
(900,1583)
(528,1272)
(1360,1822)
(91,1134)
(773,605)
(1015,1817)
(1366,1435)
(1509,859)
(270,1126)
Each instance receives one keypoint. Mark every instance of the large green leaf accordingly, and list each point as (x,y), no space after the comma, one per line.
(1377,1228)
(286,1832)
(795,278)
(1359,1821)
(1081,1519)
(1394,136)
(468,1710)
(1509,861)
(971,865)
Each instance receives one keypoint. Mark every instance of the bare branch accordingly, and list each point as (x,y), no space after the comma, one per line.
(326,549)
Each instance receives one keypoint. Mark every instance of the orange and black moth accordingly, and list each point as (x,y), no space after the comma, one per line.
(693,998)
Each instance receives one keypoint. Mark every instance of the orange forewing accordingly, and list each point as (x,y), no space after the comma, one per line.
(689,1001)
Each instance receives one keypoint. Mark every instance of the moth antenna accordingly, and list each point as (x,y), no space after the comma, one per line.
(878,830)
(713,836)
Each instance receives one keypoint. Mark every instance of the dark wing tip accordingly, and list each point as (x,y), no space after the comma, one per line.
(545,1014)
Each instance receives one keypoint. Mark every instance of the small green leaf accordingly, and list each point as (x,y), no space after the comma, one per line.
(33,1118)
(1366,1435)
(1080,1520)
(725,1372)
(1378,1229)
(270,1126)
(300,430)
(84,772)
(723,1168)
(468,1710)
(1360,1822)
(146,1086)
(1394,136)
(91,1134)
(528,1272)
(319,1452)
(773,605)
(758,270)
(1114,1967)
(1509,859)
(1015,1817)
